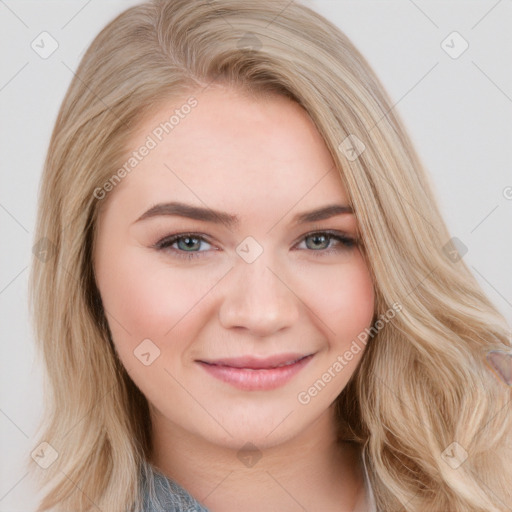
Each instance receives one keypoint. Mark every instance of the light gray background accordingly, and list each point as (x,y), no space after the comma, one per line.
(458,112)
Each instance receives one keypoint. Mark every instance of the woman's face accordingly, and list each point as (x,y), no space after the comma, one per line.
(238,331)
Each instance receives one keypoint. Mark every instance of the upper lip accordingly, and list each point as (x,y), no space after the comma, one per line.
(257,363)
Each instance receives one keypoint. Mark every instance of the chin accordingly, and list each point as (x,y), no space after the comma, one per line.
(259,429)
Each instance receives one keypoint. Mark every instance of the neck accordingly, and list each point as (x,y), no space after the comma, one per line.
(312,471)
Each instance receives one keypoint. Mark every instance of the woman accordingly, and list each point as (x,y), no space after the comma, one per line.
(320,347)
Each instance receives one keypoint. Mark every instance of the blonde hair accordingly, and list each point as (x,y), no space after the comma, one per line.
(422,383)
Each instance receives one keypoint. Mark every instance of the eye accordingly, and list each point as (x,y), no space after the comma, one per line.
(321,242)
(187,244)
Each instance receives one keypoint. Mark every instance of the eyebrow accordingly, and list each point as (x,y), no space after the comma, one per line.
(215,216)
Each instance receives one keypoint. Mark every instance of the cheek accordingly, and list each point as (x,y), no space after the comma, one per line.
(343,298)
(142,296)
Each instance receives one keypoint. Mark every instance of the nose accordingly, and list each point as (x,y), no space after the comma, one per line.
(257,298)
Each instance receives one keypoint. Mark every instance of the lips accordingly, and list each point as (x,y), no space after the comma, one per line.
(252,363)
(256,374)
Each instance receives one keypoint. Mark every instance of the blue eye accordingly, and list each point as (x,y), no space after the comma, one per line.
(185,249)
(189,243)
(321,237)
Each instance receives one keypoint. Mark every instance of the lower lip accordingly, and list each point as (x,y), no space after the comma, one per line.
(256,380)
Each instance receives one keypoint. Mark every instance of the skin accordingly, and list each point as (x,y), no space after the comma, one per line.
(263,160)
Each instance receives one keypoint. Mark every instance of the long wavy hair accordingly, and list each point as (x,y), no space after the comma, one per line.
(422,396)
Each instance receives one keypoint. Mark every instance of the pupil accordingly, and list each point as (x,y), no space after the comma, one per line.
(188,241)
(316,239)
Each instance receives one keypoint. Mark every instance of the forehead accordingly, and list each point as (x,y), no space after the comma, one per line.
(232,151)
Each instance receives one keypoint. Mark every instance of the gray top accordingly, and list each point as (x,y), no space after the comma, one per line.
(164,495)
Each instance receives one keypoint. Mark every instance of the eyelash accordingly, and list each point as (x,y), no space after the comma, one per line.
(347,243)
